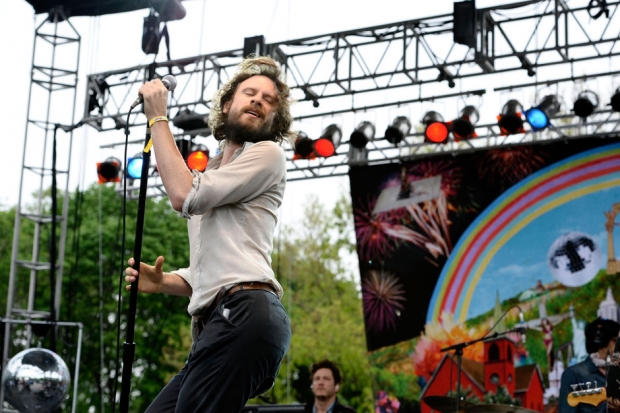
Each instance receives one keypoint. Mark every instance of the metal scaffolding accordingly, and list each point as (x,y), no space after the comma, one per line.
(34,291)
(535,43)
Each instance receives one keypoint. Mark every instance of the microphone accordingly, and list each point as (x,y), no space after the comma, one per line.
(522,328)
(169,82)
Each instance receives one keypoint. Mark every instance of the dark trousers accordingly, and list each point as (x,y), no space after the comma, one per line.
(234,358)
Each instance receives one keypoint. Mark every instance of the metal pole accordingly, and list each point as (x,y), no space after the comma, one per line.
(129,347)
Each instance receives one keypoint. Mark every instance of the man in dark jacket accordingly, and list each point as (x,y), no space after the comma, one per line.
(601,337)
(326,381)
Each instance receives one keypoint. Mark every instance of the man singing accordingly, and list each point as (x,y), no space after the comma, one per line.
(240,329)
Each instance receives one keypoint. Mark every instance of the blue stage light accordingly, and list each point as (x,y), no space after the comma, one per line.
(537,119)
(134,167)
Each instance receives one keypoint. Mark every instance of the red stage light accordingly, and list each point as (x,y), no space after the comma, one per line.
(198,160)
(330,139)
(324,147)
(437,132)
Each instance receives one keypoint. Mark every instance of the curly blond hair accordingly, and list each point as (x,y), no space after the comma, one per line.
(251,66)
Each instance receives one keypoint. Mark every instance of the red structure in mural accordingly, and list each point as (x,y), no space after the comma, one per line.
(498,370)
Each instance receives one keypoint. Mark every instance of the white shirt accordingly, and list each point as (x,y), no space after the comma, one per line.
(232,215)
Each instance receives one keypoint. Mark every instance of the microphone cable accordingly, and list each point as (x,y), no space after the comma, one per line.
(120,284)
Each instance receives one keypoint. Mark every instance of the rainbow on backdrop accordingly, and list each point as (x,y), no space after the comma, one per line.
(586,173)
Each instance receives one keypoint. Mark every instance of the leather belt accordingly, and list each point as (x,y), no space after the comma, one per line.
(254,285)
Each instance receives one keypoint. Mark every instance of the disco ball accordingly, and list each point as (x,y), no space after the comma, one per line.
(574,259)
(35,380)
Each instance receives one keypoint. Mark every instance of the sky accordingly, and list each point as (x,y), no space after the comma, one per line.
(113,42)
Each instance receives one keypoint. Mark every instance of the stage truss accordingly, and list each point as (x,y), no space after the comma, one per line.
(536,44)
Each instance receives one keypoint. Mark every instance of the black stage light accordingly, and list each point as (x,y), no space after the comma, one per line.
(615,100)
(304,147)
(364,133)
(510,121)
(463,126)
(398,130)
(109,170)
(585,104)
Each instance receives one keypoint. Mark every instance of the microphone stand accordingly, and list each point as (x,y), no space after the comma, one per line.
(129,347)
(458,352)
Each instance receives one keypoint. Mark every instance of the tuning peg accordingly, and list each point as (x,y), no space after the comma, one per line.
(588,384)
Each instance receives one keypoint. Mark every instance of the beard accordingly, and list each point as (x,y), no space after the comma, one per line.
(237,132)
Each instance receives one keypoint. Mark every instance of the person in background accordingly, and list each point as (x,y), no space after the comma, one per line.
(601,337)
(326,380)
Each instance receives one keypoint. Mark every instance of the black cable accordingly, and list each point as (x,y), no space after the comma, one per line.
(120,284)
(75,245)
(501,317)
(52,246)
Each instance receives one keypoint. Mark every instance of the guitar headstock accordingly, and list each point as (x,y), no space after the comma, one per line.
(594,396)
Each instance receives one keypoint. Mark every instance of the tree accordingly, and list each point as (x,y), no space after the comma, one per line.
(321,297)
(324,304)
(161,320)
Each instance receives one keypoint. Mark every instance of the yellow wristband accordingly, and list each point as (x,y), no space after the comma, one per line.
(157,119)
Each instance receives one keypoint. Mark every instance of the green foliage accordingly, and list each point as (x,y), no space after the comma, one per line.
(160,321)
(321,296)
(7,219)
(324,305)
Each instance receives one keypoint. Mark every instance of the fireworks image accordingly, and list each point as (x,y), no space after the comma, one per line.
(371,232)
(424,224)
(508,166)
(383,298)
(378,235)
(432,220)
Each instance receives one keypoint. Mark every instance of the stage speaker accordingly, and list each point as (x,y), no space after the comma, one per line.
(254,45)
(464,28)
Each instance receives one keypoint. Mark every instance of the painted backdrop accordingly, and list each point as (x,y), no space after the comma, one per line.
(449,238)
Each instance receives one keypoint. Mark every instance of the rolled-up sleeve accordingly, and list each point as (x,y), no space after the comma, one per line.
(256,169)
(192,193)
(184,273)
